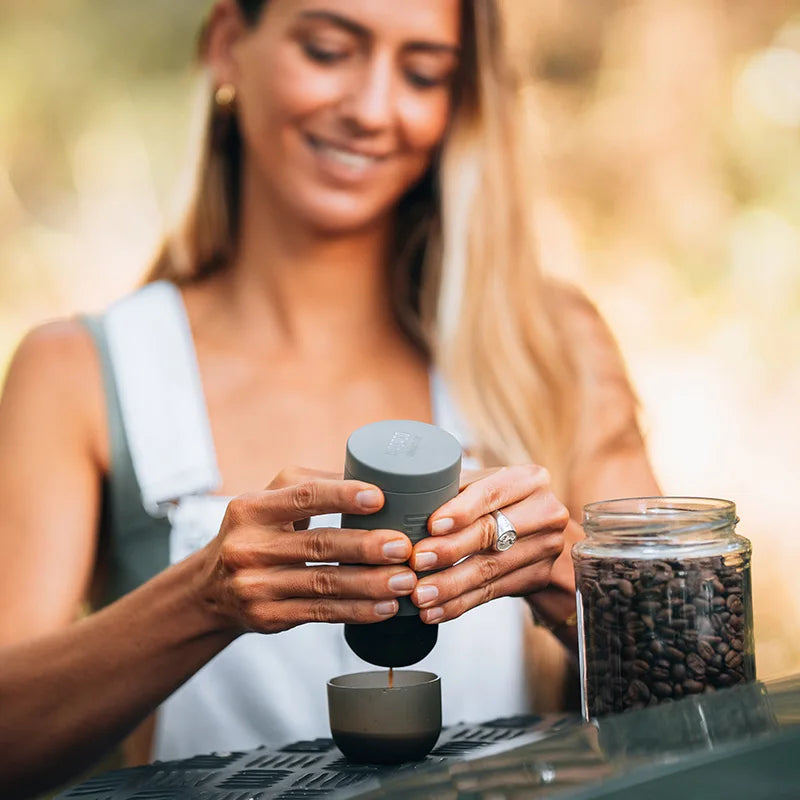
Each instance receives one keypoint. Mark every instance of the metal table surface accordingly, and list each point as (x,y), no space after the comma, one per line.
(741,742)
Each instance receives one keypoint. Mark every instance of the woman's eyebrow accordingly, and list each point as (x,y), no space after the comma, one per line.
(363,32)
(434,47)
(338,19)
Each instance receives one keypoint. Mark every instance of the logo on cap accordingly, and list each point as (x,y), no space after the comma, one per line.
(403,444)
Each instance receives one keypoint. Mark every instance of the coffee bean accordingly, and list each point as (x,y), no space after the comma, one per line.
(673,654)
(734,603)
(701,604)
(639,690)
(660,673)
(626,587)
(733,659)
(705,650)
(662,689)
(666,624)
(696,664)
(656,647)
(636,627)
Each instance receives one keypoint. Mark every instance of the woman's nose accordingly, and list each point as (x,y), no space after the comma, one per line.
(370,104)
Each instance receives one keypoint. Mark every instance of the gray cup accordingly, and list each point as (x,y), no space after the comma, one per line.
(373,724)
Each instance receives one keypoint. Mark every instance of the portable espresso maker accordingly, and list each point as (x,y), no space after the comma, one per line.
(418,467)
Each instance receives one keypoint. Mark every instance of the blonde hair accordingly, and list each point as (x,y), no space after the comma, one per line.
(467,287)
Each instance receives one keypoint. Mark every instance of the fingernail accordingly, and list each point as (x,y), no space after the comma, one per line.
(432,614)
(396,549)
(423,561)
(404,582)
(387,608)
(369,498)
(442,525)
(426,594)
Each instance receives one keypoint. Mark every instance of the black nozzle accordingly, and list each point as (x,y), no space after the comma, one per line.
(398,642)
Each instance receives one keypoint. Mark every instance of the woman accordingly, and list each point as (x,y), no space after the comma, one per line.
(358,248)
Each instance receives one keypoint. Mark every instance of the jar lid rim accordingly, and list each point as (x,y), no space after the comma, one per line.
(655,513)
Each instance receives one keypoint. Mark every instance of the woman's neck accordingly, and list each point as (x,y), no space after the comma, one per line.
(308,292)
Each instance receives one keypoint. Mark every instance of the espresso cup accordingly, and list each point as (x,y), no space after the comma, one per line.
(375,723)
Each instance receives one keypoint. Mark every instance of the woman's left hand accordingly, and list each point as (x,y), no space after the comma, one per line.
(463,528)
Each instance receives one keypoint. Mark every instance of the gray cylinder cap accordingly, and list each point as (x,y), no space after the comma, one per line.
(403,456)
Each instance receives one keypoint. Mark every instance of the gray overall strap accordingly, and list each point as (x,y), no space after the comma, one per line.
(160,396)
(133,546)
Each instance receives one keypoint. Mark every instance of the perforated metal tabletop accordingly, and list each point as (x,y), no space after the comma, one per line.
(312,769)
(737,743)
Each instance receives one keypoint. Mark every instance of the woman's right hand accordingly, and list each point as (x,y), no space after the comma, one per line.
(255,576)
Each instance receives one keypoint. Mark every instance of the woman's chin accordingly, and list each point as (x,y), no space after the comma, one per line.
(343,218)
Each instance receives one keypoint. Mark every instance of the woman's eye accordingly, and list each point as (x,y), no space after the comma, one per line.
(324,55)
(421,81)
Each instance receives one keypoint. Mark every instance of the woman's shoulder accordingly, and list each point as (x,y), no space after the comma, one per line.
(60,348)
(585,330)
(54,377)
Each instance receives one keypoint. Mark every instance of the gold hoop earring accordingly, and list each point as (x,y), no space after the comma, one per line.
(225,96)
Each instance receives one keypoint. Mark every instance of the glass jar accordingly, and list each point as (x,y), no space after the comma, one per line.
(664,602)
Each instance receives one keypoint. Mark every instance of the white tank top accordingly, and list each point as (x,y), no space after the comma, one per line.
(269,689)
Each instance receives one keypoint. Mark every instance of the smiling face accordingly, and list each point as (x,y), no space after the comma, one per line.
(342,103)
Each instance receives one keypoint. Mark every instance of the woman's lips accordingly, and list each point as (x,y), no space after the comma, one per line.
(344,162)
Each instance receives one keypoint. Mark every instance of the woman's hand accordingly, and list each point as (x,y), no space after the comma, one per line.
(463,527)
(256,577)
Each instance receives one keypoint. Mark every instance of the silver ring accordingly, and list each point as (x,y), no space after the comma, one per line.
(506,535)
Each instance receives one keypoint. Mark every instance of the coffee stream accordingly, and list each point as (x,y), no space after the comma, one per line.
(391,677)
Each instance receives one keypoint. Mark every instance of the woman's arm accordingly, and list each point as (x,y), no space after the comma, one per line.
(610,458)
(50,478)
(101,675)
(70,696)
(70,690)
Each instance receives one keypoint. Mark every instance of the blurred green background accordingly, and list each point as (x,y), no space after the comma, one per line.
(669,132)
